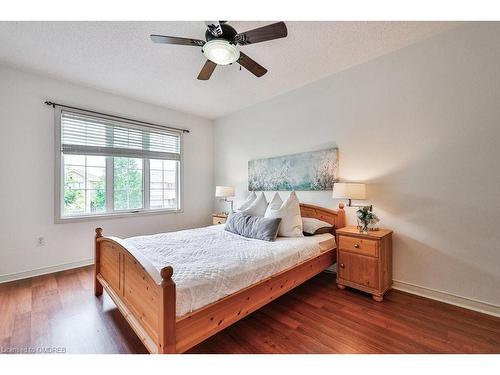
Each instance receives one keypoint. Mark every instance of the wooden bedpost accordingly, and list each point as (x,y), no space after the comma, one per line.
(97,262)
(341,216)
(167,312)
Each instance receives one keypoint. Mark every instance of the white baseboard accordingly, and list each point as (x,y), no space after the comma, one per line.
(452,299)
(45,270)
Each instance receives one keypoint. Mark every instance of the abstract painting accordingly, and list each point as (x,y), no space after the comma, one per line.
(315,170)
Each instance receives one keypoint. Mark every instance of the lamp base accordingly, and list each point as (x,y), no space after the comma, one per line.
(230,201)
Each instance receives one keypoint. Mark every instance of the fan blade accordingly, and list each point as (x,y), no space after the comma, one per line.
(214,28)
(274,31)
(207,70)
(176,40)
(251,65)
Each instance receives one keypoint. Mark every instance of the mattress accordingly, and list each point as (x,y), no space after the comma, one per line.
(210,263)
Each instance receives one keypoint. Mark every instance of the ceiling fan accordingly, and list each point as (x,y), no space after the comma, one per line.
(221,45)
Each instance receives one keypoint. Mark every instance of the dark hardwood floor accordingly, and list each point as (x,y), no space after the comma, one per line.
(60,311)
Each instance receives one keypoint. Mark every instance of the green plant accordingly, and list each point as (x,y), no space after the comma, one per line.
(366,216)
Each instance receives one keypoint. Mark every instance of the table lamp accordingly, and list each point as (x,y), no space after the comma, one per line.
(225,192)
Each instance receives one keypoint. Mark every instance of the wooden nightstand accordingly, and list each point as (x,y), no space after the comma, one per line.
(219,218)
(364,261)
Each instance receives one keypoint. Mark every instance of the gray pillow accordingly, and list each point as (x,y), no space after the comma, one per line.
(256,227)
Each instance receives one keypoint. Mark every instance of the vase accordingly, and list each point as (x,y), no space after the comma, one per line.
(363,226)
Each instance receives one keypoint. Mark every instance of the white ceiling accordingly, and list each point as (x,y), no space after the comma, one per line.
(119,57)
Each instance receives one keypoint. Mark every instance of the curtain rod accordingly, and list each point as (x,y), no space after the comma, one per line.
(53,105)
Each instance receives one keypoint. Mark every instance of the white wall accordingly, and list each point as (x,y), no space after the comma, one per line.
(422,127)
(27,173)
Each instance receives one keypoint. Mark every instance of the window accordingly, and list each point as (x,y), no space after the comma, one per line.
(111,167)
(128,183)
(84,184)
(163,180)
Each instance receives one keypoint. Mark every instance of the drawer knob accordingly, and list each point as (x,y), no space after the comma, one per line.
(342,265)
(356,246)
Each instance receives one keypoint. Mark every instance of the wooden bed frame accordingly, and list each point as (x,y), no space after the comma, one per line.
(146,297)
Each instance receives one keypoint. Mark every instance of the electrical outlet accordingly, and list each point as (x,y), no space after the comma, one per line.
(40,241)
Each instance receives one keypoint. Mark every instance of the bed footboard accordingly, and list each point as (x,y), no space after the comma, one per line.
(145,297)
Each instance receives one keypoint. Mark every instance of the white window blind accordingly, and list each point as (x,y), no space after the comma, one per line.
(92,135)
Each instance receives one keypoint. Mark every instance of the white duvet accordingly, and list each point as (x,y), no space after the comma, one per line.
(210,263)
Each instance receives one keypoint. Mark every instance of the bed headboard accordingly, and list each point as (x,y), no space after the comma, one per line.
(334,217)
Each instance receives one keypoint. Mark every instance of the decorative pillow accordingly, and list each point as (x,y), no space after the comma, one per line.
(252,197)
(313,226)
(275,204)
(289,212)
(260,228)
(257,207)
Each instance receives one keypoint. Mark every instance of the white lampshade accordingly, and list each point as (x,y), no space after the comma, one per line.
(224,191)
(349,190)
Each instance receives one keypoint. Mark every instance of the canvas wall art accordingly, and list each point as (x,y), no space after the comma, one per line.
(315,170)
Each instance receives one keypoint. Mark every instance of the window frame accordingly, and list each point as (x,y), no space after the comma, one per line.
(59,218)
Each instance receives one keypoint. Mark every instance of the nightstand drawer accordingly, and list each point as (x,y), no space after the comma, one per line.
(219,220)
(358,245)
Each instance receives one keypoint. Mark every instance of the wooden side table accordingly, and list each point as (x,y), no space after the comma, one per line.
(364,261)
(219,218)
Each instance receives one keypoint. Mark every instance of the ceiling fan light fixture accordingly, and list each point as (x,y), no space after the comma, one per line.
(221,52)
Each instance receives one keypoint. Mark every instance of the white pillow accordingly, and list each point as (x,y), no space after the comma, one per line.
(291,221)
(258,206)
(275,204)
(311,225)
(252,197)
